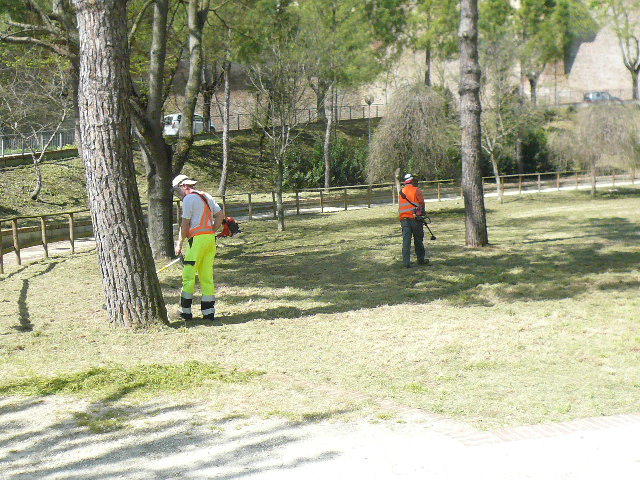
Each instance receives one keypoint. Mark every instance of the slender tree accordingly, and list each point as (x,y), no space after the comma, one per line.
(470,111)
(198,10)
(131,287)
(624,18)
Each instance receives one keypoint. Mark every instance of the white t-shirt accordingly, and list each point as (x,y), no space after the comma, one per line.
(193,207)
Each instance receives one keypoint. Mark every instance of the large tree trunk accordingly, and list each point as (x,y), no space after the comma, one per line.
(470,109)
(198,11)
(224,173)
(131,287)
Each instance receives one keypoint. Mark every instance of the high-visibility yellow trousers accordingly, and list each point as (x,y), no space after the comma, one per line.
(199,261)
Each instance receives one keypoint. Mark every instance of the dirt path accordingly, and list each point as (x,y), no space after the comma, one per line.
(42,439)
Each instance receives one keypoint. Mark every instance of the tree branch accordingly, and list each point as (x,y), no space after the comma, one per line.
(138,20)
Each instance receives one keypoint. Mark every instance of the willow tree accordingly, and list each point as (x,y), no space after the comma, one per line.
(131,287)
(470,111)
(417,134)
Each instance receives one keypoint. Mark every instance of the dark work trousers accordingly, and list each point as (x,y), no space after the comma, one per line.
(412,228)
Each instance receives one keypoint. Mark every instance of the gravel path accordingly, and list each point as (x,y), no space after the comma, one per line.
(42,439)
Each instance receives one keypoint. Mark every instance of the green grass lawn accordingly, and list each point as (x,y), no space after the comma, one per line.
(322,320)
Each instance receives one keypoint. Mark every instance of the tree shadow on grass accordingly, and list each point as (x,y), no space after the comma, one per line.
(23,310)
(345,277)
(151,438)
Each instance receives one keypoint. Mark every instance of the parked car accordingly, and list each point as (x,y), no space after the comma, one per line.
(597,97)
(172,124)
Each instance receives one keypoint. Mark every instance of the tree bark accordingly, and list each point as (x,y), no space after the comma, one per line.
(533,86)
(470,109)
(131,287)
(156,153)
(327,142)
(197,12)
(320,89)
(634,82)
(224,173)
(427,65)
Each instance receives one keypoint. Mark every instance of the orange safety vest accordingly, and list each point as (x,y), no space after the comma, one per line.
(205,227)
(413,195)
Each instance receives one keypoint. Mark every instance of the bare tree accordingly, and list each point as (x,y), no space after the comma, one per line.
(602,136)
(417,134)
(53,29)
(34,102)
(470,111)
(131,287)
(625,20)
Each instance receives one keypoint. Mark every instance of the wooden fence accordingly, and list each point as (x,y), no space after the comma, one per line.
(47,228)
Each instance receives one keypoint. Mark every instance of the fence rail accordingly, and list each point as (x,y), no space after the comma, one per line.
(70,225)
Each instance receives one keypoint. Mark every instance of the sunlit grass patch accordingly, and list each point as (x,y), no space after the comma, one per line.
(120,381)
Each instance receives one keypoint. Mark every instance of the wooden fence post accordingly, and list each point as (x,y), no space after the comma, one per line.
(558,180)
(439,198)
(297,202)
(577,180)
(539,185)
(43,228)
(369,196)
(393,195)
(16,240)
(633,176)
(613,180)
(345,198)
(250,206)
(71,234)
(224,205)
(321,202)
(519,184)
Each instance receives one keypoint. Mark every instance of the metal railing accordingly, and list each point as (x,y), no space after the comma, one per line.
(15,145)
(47,228)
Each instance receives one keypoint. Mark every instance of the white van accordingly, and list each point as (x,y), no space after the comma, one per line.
(172,124)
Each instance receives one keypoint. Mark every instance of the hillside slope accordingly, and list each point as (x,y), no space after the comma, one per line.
(64,180)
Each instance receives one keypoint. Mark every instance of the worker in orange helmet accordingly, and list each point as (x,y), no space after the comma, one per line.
(411,205)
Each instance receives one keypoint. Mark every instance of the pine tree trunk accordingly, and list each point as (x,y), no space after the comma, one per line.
(131,287)
(470,109)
